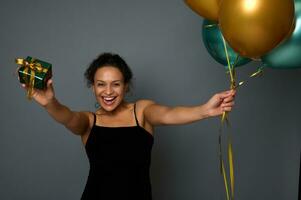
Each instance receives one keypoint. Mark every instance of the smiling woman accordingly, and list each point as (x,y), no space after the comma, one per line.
(110,78)
(118,137)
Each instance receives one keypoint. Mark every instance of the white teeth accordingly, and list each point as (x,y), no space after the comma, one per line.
(108,98)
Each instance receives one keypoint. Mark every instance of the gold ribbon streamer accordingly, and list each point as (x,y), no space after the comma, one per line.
(33,67)
(231,166)
(222,167)
(258,73)
(230,194)
(224,118)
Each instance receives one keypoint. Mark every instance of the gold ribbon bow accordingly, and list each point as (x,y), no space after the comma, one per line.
(33,67)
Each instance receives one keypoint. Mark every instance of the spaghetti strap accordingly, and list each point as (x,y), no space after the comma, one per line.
(137,123)
(94,120)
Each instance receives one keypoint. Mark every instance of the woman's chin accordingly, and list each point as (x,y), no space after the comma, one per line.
(109,107)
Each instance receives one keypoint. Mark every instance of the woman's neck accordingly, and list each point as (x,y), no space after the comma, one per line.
(120,108)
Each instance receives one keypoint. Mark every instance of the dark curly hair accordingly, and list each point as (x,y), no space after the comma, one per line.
(108,59)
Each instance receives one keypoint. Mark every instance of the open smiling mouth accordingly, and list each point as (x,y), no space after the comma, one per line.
(109,100)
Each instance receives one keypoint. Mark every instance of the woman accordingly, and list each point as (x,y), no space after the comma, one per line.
(118,137)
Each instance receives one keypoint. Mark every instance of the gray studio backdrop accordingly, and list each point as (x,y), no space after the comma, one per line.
(161,41)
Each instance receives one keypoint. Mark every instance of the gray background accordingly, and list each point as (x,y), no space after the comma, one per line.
(161,41)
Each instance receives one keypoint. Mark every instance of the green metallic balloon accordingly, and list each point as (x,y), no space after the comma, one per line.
(288,54)
(213,40)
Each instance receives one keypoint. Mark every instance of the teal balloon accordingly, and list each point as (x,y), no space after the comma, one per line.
(288,54)
(213,41)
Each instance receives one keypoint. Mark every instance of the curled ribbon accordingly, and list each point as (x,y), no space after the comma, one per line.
(224,118)
(229,193)
(229,184)
(229,187)
(33,68)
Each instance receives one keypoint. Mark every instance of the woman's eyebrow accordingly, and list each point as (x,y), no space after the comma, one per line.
(112,81)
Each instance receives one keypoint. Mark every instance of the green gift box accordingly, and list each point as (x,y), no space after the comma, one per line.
(34,73)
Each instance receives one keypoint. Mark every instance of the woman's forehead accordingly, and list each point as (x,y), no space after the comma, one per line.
(108,73)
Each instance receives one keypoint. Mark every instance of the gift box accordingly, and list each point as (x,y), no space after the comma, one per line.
(34,73)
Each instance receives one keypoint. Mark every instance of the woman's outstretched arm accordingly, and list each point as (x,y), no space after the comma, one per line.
(157,114)
(76,122)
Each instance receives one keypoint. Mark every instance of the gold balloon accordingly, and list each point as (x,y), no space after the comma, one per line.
(205,8)
(254,27)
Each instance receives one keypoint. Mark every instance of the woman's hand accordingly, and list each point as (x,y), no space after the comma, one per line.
(220,103)
(43,97)
(77,122)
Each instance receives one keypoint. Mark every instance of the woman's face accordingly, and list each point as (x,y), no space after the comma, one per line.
(109,87)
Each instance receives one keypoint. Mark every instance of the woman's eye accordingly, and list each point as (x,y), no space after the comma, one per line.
(100,84)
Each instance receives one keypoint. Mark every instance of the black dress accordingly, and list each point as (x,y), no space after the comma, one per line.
(119,160)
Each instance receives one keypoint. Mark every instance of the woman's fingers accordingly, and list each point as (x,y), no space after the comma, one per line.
(227,106)
(24,86)
(226,94)
(228,109)
(228,99)
(230,104)
(50,84)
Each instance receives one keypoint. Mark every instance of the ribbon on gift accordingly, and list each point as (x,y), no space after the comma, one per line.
(33,67)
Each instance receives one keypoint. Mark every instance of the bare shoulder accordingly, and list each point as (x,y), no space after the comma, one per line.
(143,103)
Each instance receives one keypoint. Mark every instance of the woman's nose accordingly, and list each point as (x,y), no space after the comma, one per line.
(108,90)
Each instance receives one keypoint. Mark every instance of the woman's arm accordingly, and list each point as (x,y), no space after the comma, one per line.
(76,122)
(157,114)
